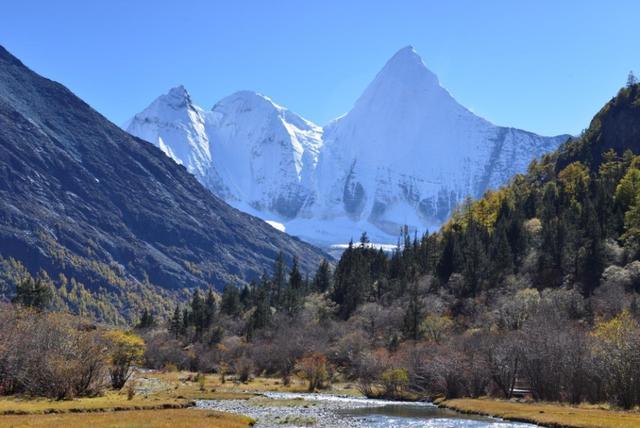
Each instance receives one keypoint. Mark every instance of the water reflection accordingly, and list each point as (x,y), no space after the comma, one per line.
(408,416)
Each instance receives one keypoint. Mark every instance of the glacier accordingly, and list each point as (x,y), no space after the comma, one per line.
(407,153)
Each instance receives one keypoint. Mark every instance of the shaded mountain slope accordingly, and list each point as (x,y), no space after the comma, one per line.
(80,196)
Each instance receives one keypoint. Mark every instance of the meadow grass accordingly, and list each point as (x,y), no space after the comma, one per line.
(161,399)
(173,418)
(258,385)
(547,414)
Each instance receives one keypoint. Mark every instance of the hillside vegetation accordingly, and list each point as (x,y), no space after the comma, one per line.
(531,288)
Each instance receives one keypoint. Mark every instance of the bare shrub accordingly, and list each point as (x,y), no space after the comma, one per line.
(314,368)
(51,355)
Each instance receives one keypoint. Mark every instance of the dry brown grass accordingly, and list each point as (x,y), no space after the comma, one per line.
(548,414)
(255,386)
(158,396)
(181,418)
(110,401)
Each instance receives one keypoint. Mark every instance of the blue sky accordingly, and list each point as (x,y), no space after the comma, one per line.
(545,66)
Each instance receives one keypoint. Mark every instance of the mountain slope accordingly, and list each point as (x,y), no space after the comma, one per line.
(80,196)
(572,221)
(615,127)
(407,153)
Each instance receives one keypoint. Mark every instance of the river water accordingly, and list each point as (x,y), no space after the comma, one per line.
(276,409)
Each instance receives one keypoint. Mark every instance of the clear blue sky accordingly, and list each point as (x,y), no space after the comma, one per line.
(545,66)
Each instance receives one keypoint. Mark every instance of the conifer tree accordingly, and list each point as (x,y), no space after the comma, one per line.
(230,304)
(197,315)
(186,321)
(147,320)
(36,294)
(261,316)
(245,295)
(631,79)
(210,308)
(475,257)
(322,278)
(293,295)
(175,325)
(451,257)
(414,314)
(279,281)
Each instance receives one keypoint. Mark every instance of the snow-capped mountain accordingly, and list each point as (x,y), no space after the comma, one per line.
(264,153)
(248,150)
(407,153)
(173,123)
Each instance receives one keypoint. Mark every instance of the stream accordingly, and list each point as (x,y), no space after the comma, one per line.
(280,409)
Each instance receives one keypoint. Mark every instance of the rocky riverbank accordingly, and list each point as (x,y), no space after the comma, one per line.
(274,409)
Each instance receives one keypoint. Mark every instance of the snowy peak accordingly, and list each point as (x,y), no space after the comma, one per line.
(252,152)
(246,101)
(175,102)
(404,115)
(407,67)
(406,154)
(177,97)
(174,124)
(249,103)
(409,153)
(268,152)
(404,82)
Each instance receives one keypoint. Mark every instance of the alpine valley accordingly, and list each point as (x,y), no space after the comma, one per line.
(108,217)
(406,154)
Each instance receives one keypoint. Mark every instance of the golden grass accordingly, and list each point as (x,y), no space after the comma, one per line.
(110,401)
(181,418)
(255,386)
(168,392)
(548,414)
(157,394)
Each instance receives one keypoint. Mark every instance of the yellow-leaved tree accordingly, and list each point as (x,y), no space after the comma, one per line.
(616,350)
(127,350)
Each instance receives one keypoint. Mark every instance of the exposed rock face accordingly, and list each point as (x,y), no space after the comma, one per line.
(78,195)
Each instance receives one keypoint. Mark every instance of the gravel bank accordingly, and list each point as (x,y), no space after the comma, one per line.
(274,409)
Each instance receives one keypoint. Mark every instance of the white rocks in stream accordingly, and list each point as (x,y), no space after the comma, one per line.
(274,409)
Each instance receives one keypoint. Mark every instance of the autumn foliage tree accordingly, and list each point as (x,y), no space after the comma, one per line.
(127,349)
(314,369)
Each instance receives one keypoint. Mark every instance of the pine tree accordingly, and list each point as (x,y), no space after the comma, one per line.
(210,308)
(261,316)
(322,278)
(294,292)
(451,257)
(414,314)
(351,279)
(364,240)
(36,294)
(230,304)
(175,325)
(631,79)
(279,281)
(147,320)
(186,322)
(197,315)
(245,295)
(475,258)
(500,251)
(591,256)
